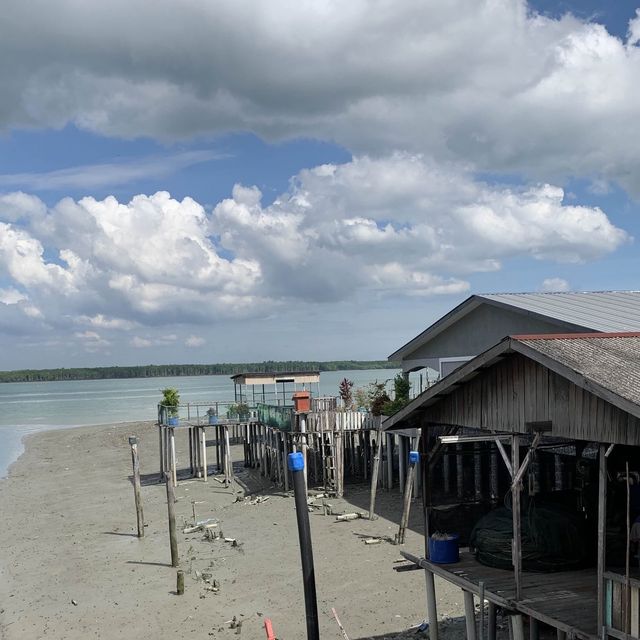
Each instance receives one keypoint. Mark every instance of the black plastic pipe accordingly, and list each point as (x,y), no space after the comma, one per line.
(296,466)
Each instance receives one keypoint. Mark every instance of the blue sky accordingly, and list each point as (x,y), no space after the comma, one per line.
(318,183)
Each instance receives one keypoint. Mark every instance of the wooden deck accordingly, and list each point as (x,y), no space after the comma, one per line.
(566,600)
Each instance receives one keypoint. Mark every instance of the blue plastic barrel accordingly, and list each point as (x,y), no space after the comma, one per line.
(445,551)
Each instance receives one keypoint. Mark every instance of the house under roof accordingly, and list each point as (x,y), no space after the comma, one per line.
(482,320)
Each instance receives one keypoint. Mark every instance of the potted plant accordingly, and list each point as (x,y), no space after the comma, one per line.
(213,415)
(243,411)
(171,402)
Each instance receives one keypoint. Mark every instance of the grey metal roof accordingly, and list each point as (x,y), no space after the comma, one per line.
(612,361)
(602,311)
(607,311)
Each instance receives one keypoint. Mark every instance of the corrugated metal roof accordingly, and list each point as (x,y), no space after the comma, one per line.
(608,311)
(611,361)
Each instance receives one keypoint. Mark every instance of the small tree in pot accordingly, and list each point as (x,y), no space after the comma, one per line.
(171,402)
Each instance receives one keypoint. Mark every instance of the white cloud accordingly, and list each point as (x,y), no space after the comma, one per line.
(551,285)
(140,343)
(194,341)
(487,82)
(103,175)
(399,226)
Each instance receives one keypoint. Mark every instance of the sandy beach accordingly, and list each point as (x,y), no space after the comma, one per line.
(73,567)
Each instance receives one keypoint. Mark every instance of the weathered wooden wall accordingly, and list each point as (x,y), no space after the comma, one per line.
(516,391)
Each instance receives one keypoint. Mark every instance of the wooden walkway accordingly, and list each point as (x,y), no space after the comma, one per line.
(566,600)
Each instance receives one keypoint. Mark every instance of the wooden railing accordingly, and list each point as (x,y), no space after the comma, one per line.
(341,421)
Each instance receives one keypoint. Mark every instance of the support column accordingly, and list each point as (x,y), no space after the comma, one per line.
(459,471)
(493,479)
(389,439)
(477,471)
(517,627)
(534,629)
(491,621)
(515,509)
(602,533)
(469,615)
(432,611)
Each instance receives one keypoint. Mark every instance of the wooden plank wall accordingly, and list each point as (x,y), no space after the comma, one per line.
(516,391)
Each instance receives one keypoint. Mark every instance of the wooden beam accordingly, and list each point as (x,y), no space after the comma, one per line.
(505,457)
(462,439)
(527,460)
(602,531)
(515,509)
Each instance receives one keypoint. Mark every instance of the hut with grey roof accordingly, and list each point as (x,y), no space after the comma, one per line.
(529,452)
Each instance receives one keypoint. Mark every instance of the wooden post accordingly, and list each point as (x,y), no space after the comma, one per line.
(285,452)
(562,635)
(171,509)
(481,602)
(205,469)
(491,621)
(133,441)
(339,463)
(477,471)
(180,582)
(374,474)
(402,463)
(517,626)
(469,615)
(459,472)
(432,611)
(493,478)
(446,473)
(534,629)
(406,506)
(302,426)
(515,509)
(389,437)
(602,533)
(228,473)
(174,471)
(162,453)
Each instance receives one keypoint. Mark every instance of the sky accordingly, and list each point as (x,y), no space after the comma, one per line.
(219,181)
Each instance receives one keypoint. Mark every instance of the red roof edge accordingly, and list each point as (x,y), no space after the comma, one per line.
(575,336)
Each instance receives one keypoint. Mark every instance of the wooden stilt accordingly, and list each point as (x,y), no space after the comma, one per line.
(517,627)
(228,477)
(161,453)
(459,472)
(406,506)
(374,475)
(180,582)
(469,615)
(562,635)
(491,621)
(602,528)
(191,461)
(171,510)
(515,509)
(534,629)
(402,463)
(205,468)
(174,471)
(432,611)
(135,460)
(389,438)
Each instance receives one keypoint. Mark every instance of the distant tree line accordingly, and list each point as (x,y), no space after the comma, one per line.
(170,370)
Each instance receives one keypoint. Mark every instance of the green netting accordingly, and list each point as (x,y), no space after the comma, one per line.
(553,539)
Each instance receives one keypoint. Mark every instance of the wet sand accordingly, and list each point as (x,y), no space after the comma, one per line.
(68,536)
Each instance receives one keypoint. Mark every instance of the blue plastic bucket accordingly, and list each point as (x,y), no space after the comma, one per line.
(173,422)
(213,419)
(445,551)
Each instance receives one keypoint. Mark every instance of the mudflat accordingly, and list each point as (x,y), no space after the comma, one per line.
(72,566)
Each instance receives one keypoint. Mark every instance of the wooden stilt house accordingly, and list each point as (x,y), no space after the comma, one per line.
(530,452)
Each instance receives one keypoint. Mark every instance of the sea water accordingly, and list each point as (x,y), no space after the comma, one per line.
(28,407)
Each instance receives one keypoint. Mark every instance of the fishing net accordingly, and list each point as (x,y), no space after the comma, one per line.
(552,538)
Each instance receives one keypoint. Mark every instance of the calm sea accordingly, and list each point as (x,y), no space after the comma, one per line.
(28,407)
